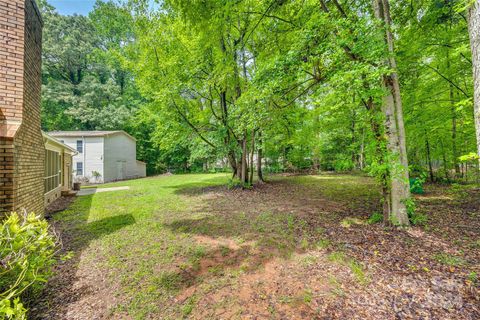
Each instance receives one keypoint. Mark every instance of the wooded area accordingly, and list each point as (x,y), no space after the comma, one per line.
(273,86)
(307,159)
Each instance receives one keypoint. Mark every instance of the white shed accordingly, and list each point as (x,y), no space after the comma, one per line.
(103,156)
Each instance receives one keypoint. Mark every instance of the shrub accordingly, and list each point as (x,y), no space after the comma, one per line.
(376,217)
(234,183)
(27,250)
(96,175)
(343,165)
(416,184)
(416,218)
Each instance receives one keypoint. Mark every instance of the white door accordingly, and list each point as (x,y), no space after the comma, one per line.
(121,170)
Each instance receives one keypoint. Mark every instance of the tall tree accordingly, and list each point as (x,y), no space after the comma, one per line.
(84,84)
(474,32)
(398,169)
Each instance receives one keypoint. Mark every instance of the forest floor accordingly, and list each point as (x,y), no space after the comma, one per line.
(298,247)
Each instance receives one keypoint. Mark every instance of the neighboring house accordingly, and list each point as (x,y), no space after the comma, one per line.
(103,156)
(58,169)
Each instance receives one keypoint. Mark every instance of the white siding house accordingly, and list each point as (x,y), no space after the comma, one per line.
(103,156)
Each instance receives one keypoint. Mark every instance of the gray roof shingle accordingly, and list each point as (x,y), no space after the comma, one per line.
(94,133)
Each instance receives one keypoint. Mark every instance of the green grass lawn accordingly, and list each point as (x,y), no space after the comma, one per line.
(126,233)
(186,246)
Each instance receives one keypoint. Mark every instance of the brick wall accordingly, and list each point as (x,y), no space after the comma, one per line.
(21,143)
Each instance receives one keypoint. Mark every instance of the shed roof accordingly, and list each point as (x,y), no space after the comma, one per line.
(94,133)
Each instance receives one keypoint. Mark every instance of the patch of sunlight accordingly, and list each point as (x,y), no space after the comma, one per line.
(356,268)
(332,177)
(348,222)
(428,198)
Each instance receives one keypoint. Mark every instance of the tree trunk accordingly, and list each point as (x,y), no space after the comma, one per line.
(353,141)
(395,184)
(444,157)
(474,32)
(259,158)
(244,173)
(381,151)
(451,94)
(361,161)
(454,133)
(233,163)
(394,126)
(252,167)
(429,158)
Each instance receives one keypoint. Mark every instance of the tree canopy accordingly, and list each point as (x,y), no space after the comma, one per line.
(272,85)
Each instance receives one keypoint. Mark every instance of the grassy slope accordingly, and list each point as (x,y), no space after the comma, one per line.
(125,233)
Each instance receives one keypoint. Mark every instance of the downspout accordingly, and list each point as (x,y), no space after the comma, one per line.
(84,156)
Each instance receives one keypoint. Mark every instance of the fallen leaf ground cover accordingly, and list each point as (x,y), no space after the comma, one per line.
(298,247)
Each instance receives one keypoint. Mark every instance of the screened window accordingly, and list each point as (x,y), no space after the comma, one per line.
(80,146)
(79,170)
(52,170)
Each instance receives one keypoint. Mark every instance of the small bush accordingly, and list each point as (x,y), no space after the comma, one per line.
(416,218)
(417,180)
(27,250)
(343,165)
(234,183)
(376,217)
(96,175)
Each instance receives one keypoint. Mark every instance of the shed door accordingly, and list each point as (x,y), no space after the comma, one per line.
(121,170)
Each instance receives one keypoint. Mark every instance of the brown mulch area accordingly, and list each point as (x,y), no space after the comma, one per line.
(406,278)
(58,205)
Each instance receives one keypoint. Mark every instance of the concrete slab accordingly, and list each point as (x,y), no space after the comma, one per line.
(89,191)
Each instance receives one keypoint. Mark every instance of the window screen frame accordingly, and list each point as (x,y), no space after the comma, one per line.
(80,146)
(52,170)
(79,172)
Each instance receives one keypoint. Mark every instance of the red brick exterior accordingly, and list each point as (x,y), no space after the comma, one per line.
(22,150)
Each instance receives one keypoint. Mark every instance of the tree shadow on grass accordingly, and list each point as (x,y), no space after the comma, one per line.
(236,236)
(203,186)
(226,248)
(273,220)
(76,233)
